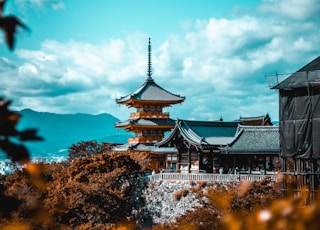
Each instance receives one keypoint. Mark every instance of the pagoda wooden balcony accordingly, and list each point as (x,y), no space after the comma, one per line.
(144,140)
(144,114)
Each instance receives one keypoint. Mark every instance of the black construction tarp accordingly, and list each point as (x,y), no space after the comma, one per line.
(300,122)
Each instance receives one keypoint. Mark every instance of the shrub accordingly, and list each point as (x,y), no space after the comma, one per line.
(181,193)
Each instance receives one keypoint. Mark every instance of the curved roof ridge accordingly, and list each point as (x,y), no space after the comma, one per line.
(237,135)
(189,133)
(169,136)
(150,90)
(152,81)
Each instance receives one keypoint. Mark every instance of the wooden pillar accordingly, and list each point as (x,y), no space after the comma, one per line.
(305,182)
(312,179)
(265,165)
(210,162)
(284,170)
(315,170)
(189,155)
(297,169)
(179,157)
(200,158)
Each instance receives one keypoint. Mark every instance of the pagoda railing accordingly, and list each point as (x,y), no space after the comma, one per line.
(149,114)
(144,139)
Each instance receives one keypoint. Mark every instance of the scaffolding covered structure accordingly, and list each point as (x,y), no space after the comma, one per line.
(299,113)
(299,121)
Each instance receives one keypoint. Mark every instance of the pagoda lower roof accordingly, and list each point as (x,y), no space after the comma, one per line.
(151,91)
(137,147)
(146,122)
(143,147)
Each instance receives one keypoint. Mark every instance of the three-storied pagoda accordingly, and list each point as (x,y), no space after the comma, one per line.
(149,122)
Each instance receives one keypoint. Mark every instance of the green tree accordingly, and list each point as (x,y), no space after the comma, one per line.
(87,149)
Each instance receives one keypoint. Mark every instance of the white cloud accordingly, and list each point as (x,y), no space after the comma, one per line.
(54,4)
(293,9)
(219,64)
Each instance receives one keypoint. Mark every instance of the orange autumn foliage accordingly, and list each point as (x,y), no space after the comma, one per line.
(88,191)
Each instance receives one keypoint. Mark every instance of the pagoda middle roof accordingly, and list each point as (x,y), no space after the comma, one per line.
(146,122)
(151,91)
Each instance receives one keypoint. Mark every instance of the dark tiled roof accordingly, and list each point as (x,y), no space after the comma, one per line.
(211,128)
(259,120)
(203,133)
(150,91)
(307,75)
(146,122)
(255,140)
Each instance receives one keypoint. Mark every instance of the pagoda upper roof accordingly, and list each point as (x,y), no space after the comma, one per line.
(151,91)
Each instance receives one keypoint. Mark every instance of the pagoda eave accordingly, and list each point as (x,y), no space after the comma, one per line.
(141,127)
(137,103)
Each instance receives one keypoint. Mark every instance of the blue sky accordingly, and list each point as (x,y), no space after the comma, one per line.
(82,55)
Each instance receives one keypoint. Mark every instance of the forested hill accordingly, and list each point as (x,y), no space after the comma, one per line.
(60,131)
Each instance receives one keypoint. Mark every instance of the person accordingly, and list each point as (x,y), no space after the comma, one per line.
(220,170)
(153,173)
(214,169)
(236,170)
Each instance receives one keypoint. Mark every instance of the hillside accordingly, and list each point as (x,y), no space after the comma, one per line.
(60,131)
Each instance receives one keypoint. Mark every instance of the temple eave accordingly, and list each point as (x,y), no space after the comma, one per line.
(137,103)
(131,127)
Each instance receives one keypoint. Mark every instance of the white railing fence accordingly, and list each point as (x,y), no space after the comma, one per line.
(210,177)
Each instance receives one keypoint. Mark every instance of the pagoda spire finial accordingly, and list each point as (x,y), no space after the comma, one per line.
(149,73)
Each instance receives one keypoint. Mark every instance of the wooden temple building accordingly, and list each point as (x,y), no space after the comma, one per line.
(194,146)
(207,146)
(253,149)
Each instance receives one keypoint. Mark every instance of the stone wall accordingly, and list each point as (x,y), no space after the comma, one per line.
(160,202)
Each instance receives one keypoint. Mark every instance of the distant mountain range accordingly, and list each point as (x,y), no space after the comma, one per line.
(60,131)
